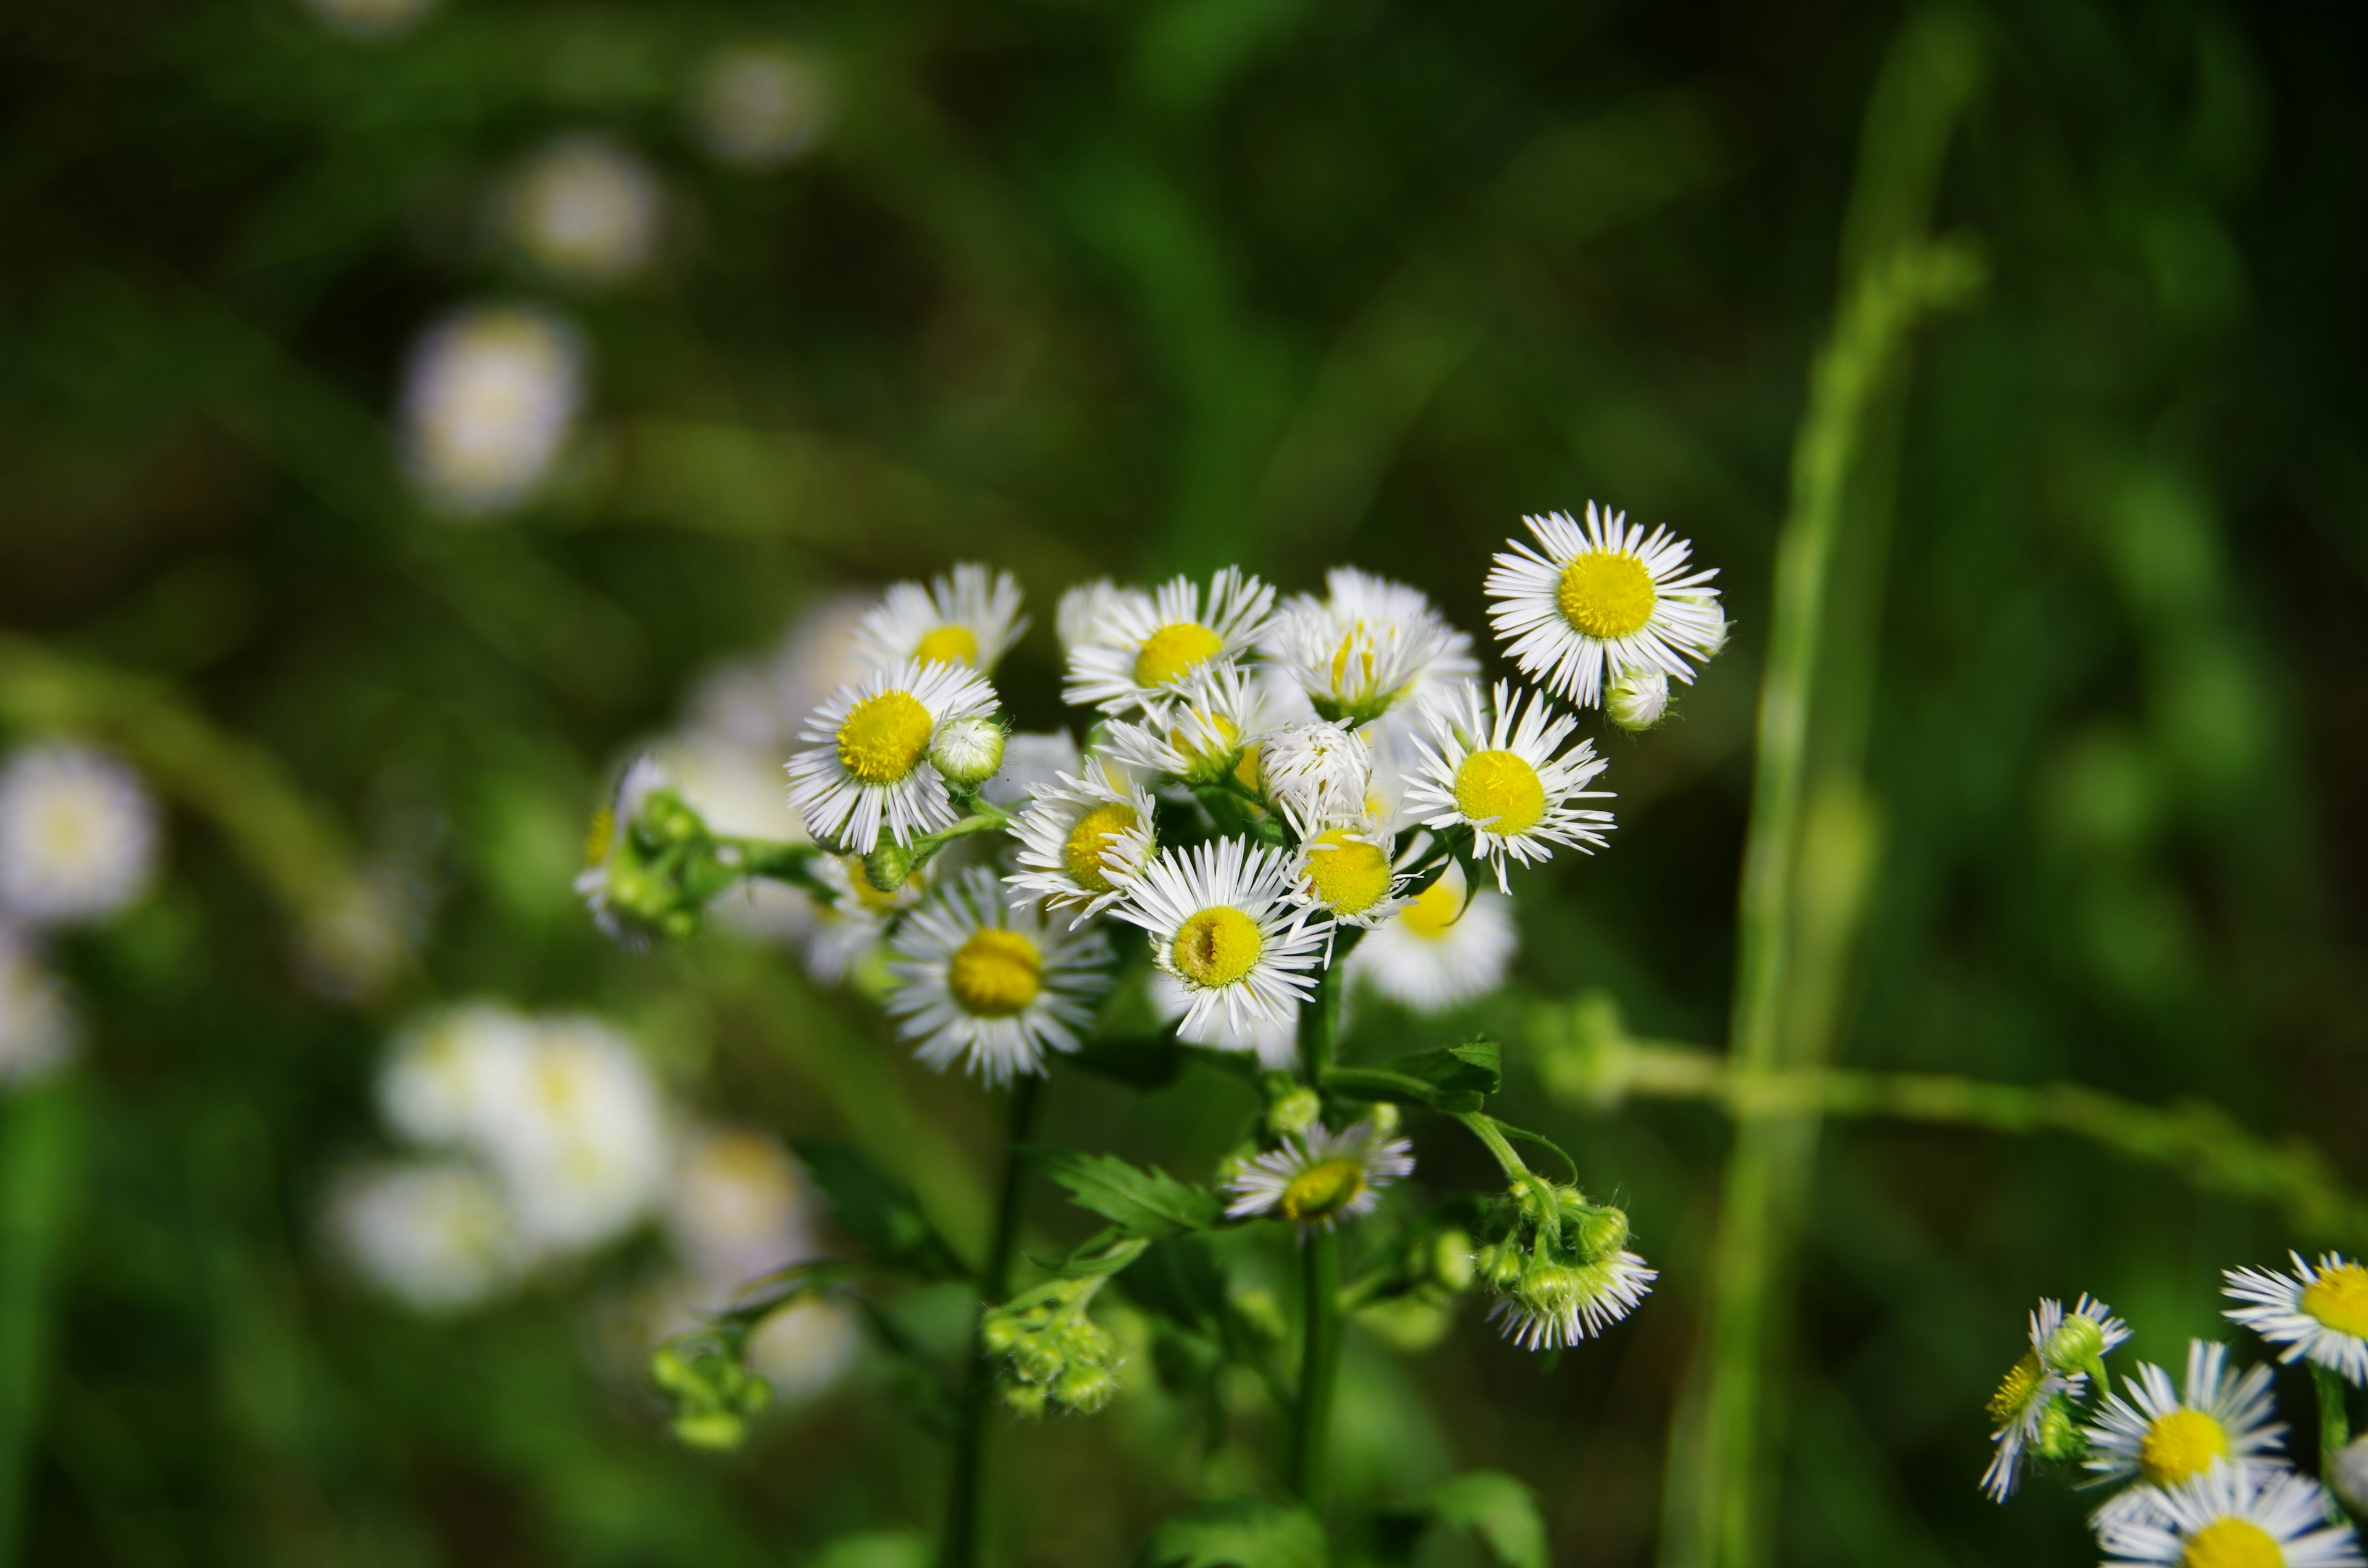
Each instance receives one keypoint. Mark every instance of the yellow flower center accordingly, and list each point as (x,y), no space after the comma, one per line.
(603,836)
(1433,911)
(947,645)
(1501,791)
(1355,655)
(1173,650)
(996,973)
(1218,946)
(2014,1395)
(1606,594)
(1348,875)
(2181,1445)
(2339,1298)
(1081,853)
(1204,737)
(1245,772)
(1322,1190)
(882,738)
(2232,1543)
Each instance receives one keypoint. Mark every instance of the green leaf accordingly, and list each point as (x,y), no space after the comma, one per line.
(880,1210)
(1242,1532)
(1497,1510)
(1148,1204)
(877,1549)
(1449,1078)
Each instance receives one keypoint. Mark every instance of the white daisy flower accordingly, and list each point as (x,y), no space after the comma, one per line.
(1274,1040)
(489,401)
(433,1235)
(1441,947)
(760,105)
(1555,1305)
(1638,700)
(1082,840)
(583,1152)
(992,986)
(453,1075)
(1319,1179)
(736,1209)
(1317,775)
(1138,649)
(584,210)
(2234,1516)
(969,616)
(612,829)
(1372,647)
(837,936)
(2061,1344)
(77,835)
(1347,873)
(37,1028)
(867,771)
(1509,778)
(2319,1312)
(1209,732)
(1221,920)
(1590,603)
(2156,1434)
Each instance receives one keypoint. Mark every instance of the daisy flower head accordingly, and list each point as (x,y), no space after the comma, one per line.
(2166,1436)
(1444,946)
(2320,1313)
(1317,775)
(1083,839)
(1368,648)
(990,985)
(867,773)
(2036,1390)
(1209,731)
(2233,1517)
(584,211)
(1582,605)
(1222,921)
(969,616)
(1555,1304)
(584,1148)
(489,397)
(432,1234)
(1137,649)
(1317,1179)
(77,835)
(1501,769)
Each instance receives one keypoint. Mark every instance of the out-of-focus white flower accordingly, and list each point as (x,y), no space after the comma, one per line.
(1136,651)
(432,1234)
(803,1350)
(1587,605)
(77,835)
(487,404)
(760,105)
(369,18)
(353,942)
(968,617)
(1441,948)
(2233,1517)
(736,1209)
(584,210)
(838,936)
(2319,1312)
(37,1027)
(454,1075)
(991,986)
(584,1154)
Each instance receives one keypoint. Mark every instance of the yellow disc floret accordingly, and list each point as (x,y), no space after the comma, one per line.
(1081,852)
(883,738)
(1499,791)
(948,644)
(1606,594)
(2181,1445)
(2339,1298)
(603,836)
(1346,875)
(1218,946)
(2232,1543)
(996,973)
(1322,1190)
(2019,1389)
(1431,912)
(1174,651)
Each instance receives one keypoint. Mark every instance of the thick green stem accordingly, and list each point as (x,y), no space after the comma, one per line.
(966,1487)
(1319,1366)
(2334,1420)
(37,1145)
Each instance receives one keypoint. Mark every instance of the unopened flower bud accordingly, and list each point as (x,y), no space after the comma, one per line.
(2076,1346)
(1710,647)
(2059,1432)
(1294,1112)
(1450,1259)
(1383,1119)
(1638,700)
(1599,1232)
(888,865)
(967,751)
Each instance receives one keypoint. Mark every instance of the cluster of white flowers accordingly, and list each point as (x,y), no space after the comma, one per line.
(2197,1466)
(79,837)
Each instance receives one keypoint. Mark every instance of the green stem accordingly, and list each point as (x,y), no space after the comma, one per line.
(2334,1422)
(38,1150)
(962,1541)
(1484,1127)
(1319,1360)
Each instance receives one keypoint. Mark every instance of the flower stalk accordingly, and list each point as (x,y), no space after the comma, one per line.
(1320,1362)
(976,1415)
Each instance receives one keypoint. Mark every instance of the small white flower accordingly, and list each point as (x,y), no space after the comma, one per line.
(2062,1344)
(969,616)
(760,105)
(77,835)
(1319,1179)
(489,401)
(1274,1040)
(1031,758)
(1372,647)
(1441,947)
(1317,775)
(866,773)
(992,986)
(1347,873)
(1082,840)
(1556,1305)
(1591,603)
(1209,732)
(611,829)
(2318,1312)
(736,1209)
(37,1028)
(1507,778)
(454,1075)
(1221,920)
(432,1234)
(1138,649)
(1638,700)
(583,1152)
(584,210)
(2234,1516)
(2156,1434)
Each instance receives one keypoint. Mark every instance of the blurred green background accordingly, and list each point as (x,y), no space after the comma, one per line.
(1079,288)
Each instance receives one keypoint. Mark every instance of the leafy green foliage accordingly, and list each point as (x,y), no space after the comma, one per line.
(1243,1532)
(1145,1204)
(1493,1507)
(1451,1078)
(879,1211)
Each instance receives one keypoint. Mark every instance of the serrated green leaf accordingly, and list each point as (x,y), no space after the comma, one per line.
(1242,1532)
(1148,1204)
(878,1210)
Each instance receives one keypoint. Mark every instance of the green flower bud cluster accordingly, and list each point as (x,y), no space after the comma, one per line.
(1054,1356)
(652,876)
(711,1395)
(1552,1253)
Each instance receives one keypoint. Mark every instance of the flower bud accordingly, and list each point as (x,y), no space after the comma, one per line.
(2059,1432)
(1599,1232)
(2076,1346)
(1450,1259)
(967,751)
(1294,1112)
(888,865)
(1383,1117)
(1638,700)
